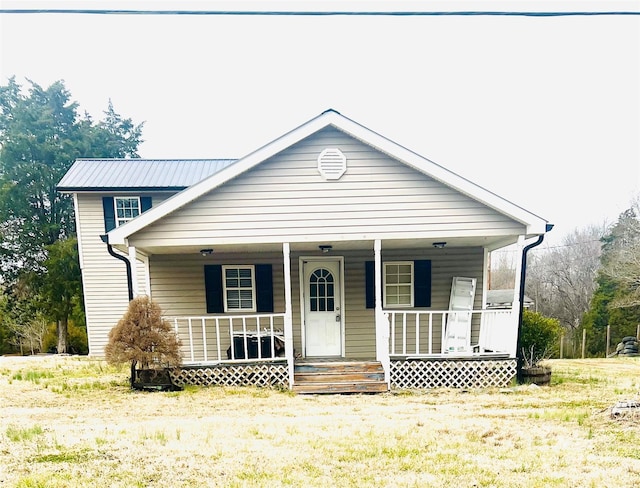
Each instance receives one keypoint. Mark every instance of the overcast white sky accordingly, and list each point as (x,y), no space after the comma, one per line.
(543,111)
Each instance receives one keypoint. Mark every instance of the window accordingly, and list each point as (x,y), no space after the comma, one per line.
(239,288)
(321,291)
(421,283)
(215,287)
(127,208)
(398,284)
(111,208)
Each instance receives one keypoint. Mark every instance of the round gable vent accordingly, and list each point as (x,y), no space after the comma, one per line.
(332,163)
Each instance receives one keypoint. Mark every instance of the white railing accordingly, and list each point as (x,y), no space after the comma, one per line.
(237,338)
(424,333)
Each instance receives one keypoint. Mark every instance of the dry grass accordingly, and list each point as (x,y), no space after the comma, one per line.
(73,422)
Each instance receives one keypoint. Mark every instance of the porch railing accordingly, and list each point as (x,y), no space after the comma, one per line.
(424,333)
(236,338)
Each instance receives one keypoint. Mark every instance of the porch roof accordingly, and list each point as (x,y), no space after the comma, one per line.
(533,224)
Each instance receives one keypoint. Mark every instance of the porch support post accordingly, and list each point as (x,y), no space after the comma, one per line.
(382,321)
(515,308)
(288,313)
(134,270)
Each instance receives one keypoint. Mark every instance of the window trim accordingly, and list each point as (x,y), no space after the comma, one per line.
(225,301)
(411,284)
(119,221)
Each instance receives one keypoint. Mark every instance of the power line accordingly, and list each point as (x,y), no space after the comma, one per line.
(319,13)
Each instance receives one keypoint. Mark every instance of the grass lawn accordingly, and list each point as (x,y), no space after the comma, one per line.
(74,422)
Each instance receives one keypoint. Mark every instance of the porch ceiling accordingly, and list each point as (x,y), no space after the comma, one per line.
(491,243)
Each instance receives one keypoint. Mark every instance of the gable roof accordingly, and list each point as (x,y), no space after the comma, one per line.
(138,174)
(535,225)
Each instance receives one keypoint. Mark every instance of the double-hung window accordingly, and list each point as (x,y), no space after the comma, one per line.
(239,288)
(398,284)
(126,208)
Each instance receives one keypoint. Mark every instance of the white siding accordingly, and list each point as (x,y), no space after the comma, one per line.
(104,277)
(285,199)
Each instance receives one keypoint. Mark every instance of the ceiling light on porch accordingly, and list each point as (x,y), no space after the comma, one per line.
(439,245)
(325,248)
(206,252)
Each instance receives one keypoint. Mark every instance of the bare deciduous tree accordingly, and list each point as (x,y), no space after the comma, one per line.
(621,259)
(561,279)
(502,274)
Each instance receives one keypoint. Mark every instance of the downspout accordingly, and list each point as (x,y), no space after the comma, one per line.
(105,239)
(523,276)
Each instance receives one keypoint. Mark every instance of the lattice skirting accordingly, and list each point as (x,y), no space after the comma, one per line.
(425,373)
(254,374)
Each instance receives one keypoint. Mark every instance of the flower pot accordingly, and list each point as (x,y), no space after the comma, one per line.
(153,380)
(538,375)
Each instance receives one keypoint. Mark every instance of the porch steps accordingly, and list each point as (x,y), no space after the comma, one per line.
(313,377)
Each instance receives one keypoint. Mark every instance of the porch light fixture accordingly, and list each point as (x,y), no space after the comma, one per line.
(439,245)
(325,248)
(206,252)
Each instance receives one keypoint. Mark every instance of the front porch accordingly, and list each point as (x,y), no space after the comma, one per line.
(249,350)
(470,372)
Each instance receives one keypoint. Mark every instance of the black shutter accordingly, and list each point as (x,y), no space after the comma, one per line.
(370,278)
(109,213)
(213,288)
(422,283)
(145,204)
(264,288)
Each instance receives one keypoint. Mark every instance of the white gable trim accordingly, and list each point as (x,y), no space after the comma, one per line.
(534,224)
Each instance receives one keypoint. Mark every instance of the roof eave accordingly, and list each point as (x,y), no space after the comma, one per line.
(112,189)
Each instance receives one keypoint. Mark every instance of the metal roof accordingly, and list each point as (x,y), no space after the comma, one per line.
(139,174)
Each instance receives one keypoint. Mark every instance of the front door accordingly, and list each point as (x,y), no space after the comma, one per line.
(322,308)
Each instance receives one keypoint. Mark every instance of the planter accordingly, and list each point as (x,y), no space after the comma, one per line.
(153,380)
(538,375)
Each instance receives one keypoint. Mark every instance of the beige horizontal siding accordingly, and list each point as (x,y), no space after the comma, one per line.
(177,284)
(104,277)
(285,198)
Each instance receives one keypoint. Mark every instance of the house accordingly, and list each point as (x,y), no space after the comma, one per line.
(268,265)
(503,298)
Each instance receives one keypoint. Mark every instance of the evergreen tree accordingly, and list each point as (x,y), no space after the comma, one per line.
(41,135)
(616,300)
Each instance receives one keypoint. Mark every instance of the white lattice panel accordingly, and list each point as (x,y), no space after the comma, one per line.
(418,374)
(272,375)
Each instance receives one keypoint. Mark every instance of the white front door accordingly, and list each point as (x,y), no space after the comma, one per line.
(322,308)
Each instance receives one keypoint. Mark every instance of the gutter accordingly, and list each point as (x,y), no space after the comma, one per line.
(105,239)
(523,276)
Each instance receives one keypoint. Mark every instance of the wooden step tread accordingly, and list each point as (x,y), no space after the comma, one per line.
(346,367)
(357,387)
(338,377)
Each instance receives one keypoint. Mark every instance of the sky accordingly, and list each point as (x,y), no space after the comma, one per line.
(543,111)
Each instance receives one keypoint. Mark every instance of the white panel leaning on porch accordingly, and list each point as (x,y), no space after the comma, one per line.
(458,330)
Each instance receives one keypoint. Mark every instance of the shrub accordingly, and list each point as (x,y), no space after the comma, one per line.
(143,338)
(539,337)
